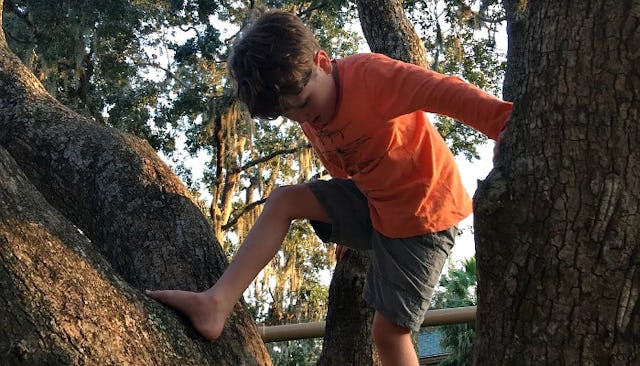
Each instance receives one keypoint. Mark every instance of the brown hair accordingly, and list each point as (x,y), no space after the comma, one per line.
(272,60)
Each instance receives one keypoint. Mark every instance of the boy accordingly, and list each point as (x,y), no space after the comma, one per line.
(395,190)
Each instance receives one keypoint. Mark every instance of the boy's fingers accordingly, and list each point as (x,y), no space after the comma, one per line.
(341,250)
(496,147)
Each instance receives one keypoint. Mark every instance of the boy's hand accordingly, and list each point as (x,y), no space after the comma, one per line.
(496,147)
(341,250)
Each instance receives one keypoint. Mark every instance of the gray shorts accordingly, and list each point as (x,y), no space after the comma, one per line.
(403,271)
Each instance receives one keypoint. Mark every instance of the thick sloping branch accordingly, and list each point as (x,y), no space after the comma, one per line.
(60,296)
(118,192)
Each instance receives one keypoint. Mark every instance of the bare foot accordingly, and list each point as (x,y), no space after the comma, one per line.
(201,309)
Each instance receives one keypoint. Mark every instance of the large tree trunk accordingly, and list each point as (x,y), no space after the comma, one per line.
(348,339)
(558,219)
(73,295)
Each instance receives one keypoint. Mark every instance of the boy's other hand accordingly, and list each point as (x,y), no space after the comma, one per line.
(496,147)
(341,250)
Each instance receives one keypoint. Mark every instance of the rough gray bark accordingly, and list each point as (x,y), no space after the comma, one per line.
(348,339)
(558,219)
(388,31)
(62,302)
(131,209)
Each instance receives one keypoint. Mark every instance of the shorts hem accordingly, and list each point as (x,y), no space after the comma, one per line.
(402,321)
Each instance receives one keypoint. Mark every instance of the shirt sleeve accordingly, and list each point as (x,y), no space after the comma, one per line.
(403,88)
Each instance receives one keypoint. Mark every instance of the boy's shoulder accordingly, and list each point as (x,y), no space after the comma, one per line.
(370,66)
(365,63)
(364,57)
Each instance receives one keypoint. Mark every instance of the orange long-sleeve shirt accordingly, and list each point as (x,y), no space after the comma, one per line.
(381,138)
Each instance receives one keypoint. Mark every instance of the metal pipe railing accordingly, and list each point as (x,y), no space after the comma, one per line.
(289,332)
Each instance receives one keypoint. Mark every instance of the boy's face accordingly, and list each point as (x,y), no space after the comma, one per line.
(316,103)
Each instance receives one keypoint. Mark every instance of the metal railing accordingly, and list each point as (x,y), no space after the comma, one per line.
(287,332)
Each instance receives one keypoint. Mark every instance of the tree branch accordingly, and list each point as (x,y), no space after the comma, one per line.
(270,156)
(244,210)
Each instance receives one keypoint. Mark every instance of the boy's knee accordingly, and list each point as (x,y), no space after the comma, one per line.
(284,200)
(295,202)
(283,195)
(385,332)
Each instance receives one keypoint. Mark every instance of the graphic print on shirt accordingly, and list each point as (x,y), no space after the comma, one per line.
(334,148)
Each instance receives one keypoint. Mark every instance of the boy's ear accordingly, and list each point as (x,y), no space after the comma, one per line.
(323,61)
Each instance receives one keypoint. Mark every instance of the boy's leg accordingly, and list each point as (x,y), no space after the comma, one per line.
(208,310)
(399,285)
(351,226)
(393,342)
(348,210)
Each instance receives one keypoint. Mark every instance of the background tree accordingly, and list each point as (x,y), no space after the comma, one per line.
(557,219)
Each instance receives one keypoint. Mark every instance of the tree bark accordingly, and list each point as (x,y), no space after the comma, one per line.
(63,303)
(387,30)
(348,339)
(139,229)
(557,220)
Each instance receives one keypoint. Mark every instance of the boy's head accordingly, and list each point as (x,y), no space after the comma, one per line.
(273,61)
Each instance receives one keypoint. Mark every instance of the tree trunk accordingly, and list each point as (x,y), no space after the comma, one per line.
(73,295)
(557,220)
(388,31)
(348,339)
